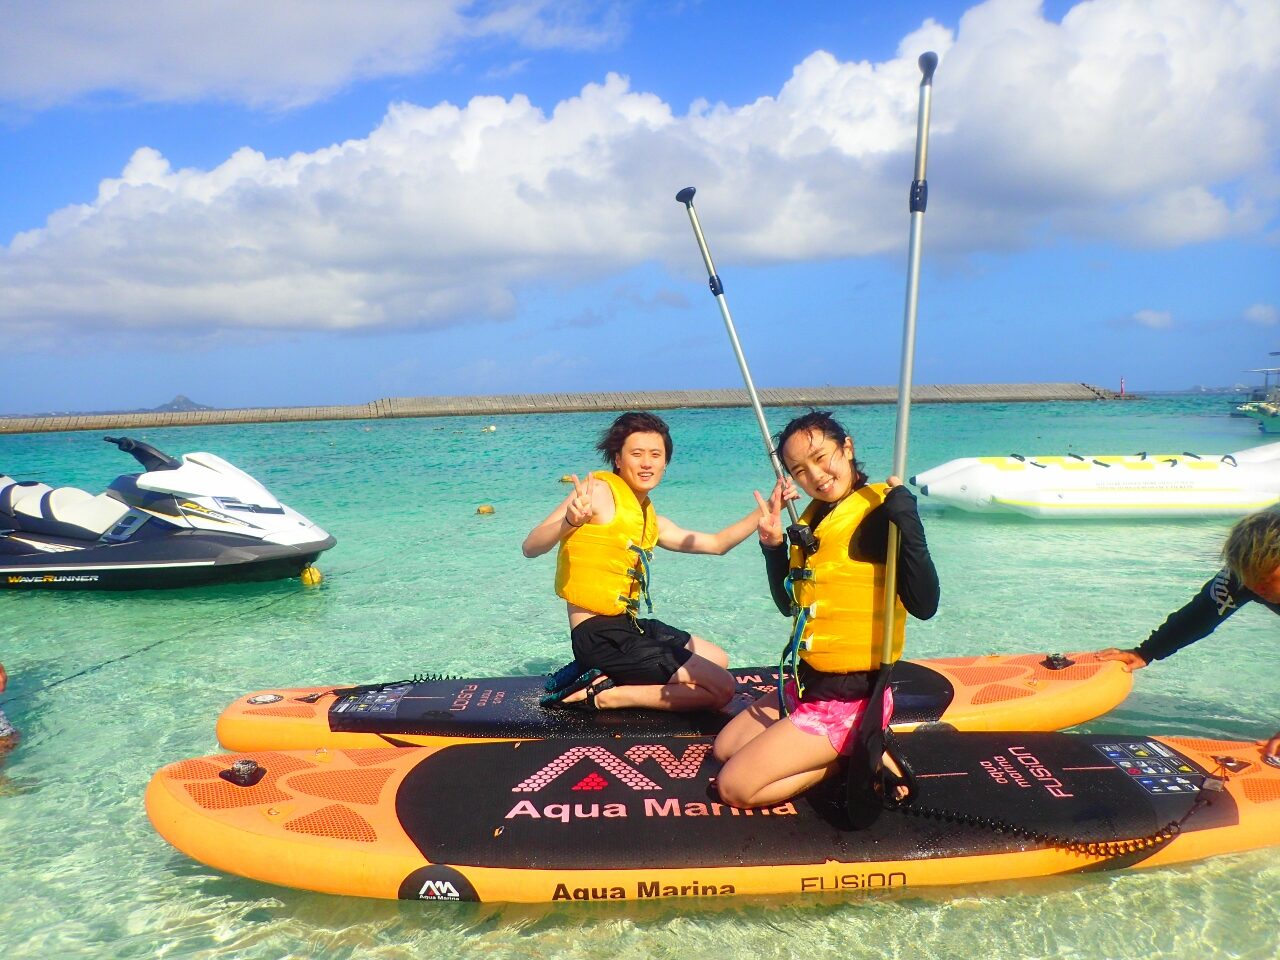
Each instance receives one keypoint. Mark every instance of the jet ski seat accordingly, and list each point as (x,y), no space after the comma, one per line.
(12,491)
(60,512)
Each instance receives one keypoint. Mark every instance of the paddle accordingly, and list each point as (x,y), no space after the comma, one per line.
(798,532)
(919,198)
(864,799)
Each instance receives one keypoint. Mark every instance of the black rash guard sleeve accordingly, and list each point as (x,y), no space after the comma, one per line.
(1218,599)
(918,586)
(777,563)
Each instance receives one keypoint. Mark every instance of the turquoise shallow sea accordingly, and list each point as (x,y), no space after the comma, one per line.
(107,688)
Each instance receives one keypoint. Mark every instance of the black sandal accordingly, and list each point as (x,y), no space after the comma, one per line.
(588,702)
(556,697)
(570,672)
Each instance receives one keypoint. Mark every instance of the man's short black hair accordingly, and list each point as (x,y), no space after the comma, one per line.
(634,421)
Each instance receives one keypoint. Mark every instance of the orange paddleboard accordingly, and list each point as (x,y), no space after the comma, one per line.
(996,692)
(604,818)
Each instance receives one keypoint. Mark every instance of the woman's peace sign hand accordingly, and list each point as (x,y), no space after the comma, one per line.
(579,508)
(770,524)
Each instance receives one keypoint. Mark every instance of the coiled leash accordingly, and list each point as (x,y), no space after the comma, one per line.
(1213,783)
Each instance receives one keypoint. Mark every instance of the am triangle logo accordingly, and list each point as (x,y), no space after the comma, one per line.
(686,767)
(607,768)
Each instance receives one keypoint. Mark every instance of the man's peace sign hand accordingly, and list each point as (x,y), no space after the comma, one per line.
(579,508)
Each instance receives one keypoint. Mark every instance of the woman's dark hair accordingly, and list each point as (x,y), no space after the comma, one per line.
(824,421)
(635,421)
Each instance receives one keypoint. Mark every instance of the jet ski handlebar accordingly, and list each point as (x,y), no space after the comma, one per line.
(145,454)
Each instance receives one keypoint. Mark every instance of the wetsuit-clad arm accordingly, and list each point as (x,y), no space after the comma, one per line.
(918,586)
(773,542)
(1218,599)
(777,564)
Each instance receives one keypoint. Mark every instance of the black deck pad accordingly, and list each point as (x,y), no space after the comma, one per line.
(507,707)
(606,804)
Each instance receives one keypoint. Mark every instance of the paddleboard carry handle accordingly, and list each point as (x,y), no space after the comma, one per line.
(244,773)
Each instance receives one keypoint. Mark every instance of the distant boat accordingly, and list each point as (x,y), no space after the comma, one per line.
(1269,392)
(1267,413)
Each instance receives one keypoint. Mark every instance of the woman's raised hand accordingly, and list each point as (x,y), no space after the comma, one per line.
(770,526)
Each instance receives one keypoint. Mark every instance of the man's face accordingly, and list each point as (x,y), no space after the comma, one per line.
(1267,587)
(642,461)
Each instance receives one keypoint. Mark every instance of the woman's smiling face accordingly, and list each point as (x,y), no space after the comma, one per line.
(820,466)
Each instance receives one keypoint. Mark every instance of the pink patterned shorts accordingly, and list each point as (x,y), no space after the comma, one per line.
(837,720)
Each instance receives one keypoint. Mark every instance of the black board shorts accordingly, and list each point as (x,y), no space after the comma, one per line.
(629,651)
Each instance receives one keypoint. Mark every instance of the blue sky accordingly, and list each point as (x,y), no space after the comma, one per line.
(290,204)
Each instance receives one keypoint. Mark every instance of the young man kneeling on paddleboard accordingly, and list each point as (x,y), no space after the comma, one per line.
(1251,573)
(836,596)
(606,530)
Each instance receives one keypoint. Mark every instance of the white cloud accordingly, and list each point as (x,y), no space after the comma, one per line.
(281,53)
(1263,314)
(1154,319)
(1142,121)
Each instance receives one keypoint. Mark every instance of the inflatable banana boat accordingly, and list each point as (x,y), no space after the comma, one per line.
(1020,692)
(1141,485)
(604,819)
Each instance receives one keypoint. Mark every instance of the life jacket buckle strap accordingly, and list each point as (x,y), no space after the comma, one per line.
(640,574)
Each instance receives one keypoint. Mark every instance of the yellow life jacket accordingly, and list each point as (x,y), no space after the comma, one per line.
(840,601)
(604,567)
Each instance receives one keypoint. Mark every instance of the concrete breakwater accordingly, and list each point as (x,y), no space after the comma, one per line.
(393,407)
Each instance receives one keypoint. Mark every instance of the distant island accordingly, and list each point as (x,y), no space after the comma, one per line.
(179,404)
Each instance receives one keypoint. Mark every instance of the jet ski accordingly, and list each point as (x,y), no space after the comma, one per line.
(181,522)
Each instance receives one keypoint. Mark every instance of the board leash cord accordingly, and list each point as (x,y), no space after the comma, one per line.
(1095,848)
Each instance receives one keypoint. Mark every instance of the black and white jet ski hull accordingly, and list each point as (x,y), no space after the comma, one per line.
(187,558)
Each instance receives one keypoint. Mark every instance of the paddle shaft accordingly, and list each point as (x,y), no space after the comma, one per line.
(685,196)
(919,200)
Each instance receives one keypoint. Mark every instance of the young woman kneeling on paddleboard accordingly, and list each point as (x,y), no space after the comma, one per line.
(836,595)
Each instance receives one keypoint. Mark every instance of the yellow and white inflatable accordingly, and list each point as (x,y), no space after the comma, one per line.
(1139,485)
